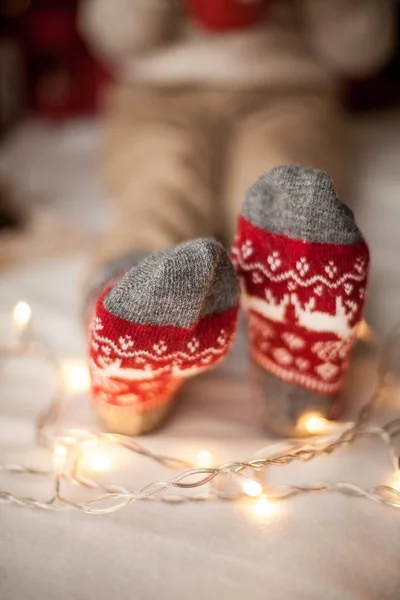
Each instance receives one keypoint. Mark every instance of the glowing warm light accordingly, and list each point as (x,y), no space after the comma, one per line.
(395,483)
(262,506)
(22,314)
(76,376)
(364,331)
(73,437)
(314,423)
(204,459)
(93,458)
(59,456)
(89,444)
(95,462)
(251,487)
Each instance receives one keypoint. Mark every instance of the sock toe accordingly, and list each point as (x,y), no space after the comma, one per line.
(300,203)
(108,273)
(177,286)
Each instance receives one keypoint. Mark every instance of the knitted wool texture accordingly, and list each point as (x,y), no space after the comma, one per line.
(170,317)
(303,267)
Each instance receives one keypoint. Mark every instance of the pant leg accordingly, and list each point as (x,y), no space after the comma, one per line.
(284,129)
(157,163)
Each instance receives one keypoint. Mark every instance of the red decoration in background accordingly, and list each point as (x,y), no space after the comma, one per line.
(63,78)
(225,15)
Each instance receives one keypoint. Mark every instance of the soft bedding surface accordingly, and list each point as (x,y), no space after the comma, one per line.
(310,547)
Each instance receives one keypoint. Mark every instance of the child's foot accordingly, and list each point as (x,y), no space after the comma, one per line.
(171,316)
(303,266)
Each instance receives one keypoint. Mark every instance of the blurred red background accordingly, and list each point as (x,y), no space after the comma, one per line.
(42,53)
(46,68)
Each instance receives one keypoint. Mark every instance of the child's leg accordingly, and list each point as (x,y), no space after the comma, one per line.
(157,163)
(285,129)
(165,308)
(303,266)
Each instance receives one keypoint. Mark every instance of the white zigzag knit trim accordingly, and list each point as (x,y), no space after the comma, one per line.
(294,276)
(162,357)
(114,370)
(295,377)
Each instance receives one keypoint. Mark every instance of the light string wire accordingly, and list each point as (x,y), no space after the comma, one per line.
(67,446)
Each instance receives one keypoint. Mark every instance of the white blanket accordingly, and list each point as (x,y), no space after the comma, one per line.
(310,547)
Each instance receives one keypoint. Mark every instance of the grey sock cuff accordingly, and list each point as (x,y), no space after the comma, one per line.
(300,203)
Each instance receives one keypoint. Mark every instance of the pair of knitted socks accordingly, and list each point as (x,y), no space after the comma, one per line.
(298,267)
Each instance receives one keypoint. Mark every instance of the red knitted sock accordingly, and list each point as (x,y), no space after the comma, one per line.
(170,317)
(304,297)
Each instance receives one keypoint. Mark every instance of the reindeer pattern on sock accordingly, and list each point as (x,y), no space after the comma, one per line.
(303,306)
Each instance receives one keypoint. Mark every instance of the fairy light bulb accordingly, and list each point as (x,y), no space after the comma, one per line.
(313,423)
(22,314)
(204,459)
(395,482)
(251,488)
(364,331)
(262,506)
(93,458)
(76,376)
(59,457)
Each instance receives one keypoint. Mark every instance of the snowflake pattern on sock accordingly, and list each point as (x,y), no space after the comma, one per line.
(144,365)
(304,301)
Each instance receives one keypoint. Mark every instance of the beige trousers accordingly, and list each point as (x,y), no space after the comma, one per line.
(177,161)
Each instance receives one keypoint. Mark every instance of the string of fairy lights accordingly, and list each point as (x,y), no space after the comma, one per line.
(79,456)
